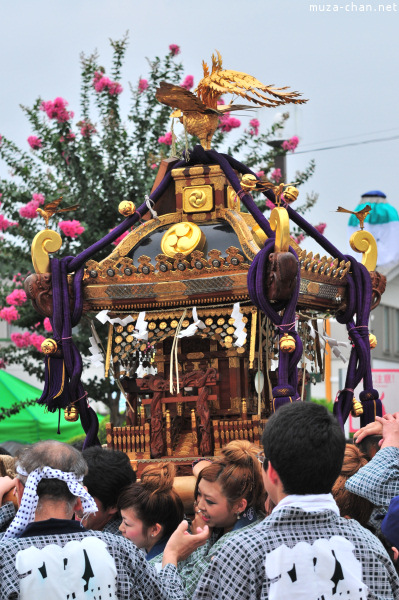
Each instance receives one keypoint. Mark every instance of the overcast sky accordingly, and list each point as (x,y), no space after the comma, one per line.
(345,62)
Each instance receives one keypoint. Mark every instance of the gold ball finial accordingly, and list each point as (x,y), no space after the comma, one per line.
(71,413)
(290,194)
(49,346)
(372,340)
(357,408)
(248,182)
(287,343)
(126,208)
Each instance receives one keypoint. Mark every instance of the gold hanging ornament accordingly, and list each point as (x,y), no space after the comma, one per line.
(357,408)
(49,346)
(372,340)
(126,208)
(287,343)
(71,413)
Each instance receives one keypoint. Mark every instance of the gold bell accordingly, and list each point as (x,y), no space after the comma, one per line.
(49,346)
(290,193)
(357,408)
(126,208)
(372,340)
(71,413)
(287,343)
(248,182)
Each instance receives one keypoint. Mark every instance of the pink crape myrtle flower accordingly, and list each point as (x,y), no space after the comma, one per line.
(34,142)
(29,210)
(39,198)
(47,325)
(3,363)
(9,313)
(154,166)
(36,340)
(291,144)
(87,129)
(260,174)
(174,49)
(221,101)
(16,298)
(56,109)
(188,82)
(71,228)
(166,139)
(275,175)
(254,127)
(1,137)
(101,83)
(21,340)
(299,238)
(143,85)
(5,223)
(321,227)
(227,123)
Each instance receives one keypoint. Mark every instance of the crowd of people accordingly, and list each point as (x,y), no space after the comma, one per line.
(307,517)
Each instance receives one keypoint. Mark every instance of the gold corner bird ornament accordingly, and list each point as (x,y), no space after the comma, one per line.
(200,113)
(51,209)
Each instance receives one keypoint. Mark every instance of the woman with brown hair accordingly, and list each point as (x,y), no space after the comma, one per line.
(351,505)
(229,496)
(151,509)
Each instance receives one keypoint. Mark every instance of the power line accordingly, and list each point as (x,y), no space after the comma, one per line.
(387,139)
(348,137)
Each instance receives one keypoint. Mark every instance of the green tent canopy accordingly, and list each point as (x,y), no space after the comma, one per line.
(31,424)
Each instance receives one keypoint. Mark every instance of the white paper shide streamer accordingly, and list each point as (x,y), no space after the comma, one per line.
(193,328)
(333,343)
(239,325)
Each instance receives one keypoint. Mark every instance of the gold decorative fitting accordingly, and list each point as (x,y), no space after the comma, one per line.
(248,182)
(364,241)
(126,208)
(291,193)
(287,343)
(208,322)
(259,235)
(71,413)
(280,223)
(233,199)
(197,198)
(49,346)
(357,408)
(129,339)
(119,329)
(174,324)
(163,325)
(221,321)
(152,325)
(44,242)
(182,238)
(372,340)
(130,328)
(118,339)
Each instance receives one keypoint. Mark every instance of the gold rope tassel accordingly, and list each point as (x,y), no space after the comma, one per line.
(173,151)
(260,364)
(269,383)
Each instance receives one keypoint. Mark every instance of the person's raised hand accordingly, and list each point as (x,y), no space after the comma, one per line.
(374,428)
(181,543)
(390,430)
